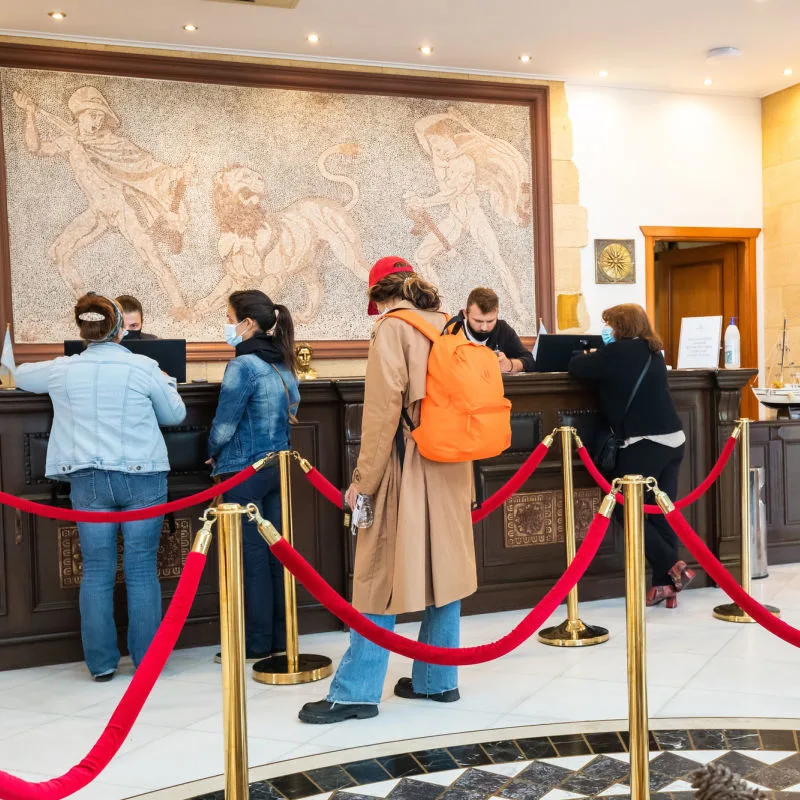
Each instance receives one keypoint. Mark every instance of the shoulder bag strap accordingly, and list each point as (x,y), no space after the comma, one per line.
(639,381)
(415,321)
(292,407)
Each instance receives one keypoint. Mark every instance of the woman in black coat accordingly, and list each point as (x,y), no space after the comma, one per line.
(654,441)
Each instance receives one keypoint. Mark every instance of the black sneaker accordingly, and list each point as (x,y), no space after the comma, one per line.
(323,713)
(105,677)
(405,688)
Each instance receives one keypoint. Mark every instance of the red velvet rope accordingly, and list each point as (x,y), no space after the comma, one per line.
(514,484)
(517,480)
(71,515)
(727,582)
(690,498)
(121,722)
(452,656)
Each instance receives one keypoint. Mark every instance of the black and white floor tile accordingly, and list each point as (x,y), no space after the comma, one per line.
(549,768)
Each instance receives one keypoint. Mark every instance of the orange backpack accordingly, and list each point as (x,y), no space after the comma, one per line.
(465,415)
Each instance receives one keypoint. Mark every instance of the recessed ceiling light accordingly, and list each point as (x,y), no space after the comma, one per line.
(190,28)
(57,15)
(313,38)
(524,58)
(426,49)
(602,73)
(708,81)
(787,71)
(721,53)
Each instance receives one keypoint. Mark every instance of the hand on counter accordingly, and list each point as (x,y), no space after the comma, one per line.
(505,364)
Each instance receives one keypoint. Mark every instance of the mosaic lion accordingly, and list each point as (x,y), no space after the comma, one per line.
(263,249)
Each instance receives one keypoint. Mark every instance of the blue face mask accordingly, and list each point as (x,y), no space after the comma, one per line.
(608,334)
(231,337)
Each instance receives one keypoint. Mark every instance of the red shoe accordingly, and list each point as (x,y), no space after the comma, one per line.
(681,575)
(658,594)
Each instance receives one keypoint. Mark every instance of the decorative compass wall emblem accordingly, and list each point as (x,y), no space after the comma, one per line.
(614,261)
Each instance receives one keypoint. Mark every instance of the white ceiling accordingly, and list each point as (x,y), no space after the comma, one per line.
(641,43)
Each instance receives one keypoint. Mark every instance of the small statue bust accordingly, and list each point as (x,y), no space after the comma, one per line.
(304,371)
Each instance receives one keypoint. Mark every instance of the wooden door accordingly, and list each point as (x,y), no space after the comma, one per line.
(701,282)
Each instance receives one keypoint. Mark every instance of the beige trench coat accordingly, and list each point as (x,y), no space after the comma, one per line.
(420,549)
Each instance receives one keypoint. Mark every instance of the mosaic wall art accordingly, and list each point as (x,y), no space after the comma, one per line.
(172,553)
(180,193)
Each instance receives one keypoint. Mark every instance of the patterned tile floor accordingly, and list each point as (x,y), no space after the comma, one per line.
(549,768)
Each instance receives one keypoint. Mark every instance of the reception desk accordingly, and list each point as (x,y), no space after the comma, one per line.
(520,550)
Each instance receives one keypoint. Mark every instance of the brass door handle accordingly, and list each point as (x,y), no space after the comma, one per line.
(17,527)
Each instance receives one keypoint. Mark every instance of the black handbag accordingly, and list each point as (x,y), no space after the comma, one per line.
(608,442)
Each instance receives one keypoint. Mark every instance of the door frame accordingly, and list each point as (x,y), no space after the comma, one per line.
(748,284)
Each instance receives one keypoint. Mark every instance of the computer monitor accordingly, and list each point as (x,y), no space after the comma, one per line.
(169,353)
(554,351)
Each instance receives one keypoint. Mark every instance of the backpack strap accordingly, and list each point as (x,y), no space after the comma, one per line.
(415,321)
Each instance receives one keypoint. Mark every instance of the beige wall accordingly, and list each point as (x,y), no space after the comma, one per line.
(780,123)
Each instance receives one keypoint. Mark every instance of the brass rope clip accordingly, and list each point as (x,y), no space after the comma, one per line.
(662,498)
(737,430)
(267,530)
(550,438)
(304,463)
(202,539)
(262,462)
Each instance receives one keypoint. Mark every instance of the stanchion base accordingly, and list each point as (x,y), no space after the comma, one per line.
(275,670)
(573,634)
(730,612)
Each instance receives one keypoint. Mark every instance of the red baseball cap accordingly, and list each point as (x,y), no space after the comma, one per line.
(383,267)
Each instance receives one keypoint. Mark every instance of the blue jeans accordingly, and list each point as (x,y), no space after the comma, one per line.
(362,670)
(264,601)
(101,490)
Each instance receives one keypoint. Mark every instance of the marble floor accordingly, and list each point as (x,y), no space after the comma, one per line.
(697,668)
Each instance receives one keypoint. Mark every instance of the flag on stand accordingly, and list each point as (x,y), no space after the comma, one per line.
(7,359)
(541,332)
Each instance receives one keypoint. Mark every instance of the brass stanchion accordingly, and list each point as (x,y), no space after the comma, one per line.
(633,491)
(231,603)
(293,667)
(573,632)
(732,612)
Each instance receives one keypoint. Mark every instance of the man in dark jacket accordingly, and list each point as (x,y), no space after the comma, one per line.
(133,317)
(482,326)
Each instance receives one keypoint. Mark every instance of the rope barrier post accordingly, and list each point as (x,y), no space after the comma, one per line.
(231,606)
(633,493)
(293,667)
(573,632)
(732,612)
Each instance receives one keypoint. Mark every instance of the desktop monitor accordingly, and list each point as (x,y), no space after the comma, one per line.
(554,351)
(169,353)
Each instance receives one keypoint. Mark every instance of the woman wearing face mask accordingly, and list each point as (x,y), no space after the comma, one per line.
(105,440)
(653,439)
(258,399)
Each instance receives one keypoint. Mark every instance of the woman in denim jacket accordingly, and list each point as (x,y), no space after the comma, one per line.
(105,440)
(258,399)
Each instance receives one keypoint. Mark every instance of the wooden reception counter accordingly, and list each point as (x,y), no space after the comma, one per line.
(520,550)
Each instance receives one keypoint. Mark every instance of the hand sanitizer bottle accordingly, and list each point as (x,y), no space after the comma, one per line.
(733,355)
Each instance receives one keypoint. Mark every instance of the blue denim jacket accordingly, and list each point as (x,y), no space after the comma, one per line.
(107,406)
(252,416)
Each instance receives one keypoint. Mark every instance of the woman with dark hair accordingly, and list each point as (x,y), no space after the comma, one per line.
(105,440)
(630,372)
(418,554)
(258,399)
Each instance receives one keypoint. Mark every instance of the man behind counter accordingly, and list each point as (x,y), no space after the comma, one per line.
(482,326)
(133,317)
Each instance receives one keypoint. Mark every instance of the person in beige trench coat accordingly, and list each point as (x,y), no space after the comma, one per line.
(419,553)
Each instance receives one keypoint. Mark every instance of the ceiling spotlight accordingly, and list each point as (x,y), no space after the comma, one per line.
(708,81)
(313,38)
(602,73)
(190,28)
(426,49)
(524,58)
(787,71)
(57,15)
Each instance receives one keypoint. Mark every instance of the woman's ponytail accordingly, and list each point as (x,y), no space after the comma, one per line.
(284,336)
